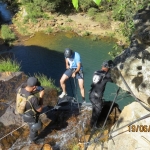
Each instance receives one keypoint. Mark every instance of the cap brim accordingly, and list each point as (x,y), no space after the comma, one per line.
(38,84)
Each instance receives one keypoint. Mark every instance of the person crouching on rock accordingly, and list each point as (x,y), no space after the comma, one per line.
(32,106)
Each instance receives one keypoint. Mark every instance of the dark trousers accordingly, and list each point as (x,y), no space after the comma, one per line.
(31,120)
(97,105)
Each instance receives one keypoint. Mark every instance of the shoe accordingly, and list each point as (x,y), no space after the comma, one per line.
(83,102)
(38,141)
(62,95)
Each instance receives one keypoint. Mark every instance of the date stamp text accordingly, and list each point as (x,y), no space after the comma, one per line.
(139,128)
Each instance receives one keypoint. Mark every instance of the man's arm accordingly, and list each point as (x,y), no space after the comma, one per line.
(40,109)
(41,94)
(77,70)
(108,77)
(36,104)
(67,63)
(40,105)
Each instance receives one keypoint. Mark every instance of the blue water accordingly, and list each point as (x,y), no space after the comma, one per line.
(44,54)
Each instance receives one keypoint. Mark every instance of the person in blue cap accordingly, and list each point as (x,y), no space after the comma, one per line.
(33,106)
(100,78)
(75,70)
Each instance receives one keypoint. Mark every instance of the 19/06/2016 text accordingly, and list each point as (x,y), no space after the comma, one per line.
(139,128)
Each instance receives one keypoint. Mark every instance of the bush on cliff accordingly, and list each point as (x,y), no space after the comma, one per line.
(9,65)
(7,34)
(46,82)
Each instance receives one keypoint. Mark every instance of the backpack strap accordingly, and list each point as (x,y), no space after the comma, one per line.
(28,100)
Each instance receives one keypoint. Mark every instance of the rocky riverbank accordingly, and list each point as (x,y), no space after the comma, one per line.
(79,23)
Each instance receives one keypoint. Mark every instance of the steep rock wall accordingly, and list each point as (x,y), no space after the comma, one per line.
(134,65)
(134,61)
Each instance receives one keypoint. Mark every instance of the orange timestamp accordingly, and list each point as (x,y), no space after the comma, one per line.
(139,128)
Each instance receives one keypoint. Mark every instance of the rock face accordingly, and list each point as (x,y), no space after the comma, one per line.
(132,73)
(134,136)
(134,61)
(8,86)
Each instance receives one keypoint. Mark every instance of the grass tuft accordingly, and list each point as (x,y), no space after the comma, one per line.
(9,65)
(46,82)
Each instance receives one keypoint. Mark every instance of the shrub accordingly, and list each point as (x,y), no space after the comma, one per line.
(86,33)
(92,12)
(9,65)
(48,30)
(7,34)
(84,5)
(46,82)
(116,51)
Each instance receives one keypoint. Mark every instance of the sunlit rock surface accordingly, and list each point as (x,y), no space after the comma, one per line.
(134,136)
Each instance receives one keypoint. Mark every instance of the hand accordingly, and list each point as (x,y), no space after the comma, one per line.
(74,74)
(41,94)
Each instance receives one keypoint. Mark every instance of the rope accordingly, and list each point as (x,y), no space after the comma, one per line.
(148,109)
(96,139)
(76,94)
(146,116)
(108,115)
(71,87)
(22,126)
(83,131)
(13,131)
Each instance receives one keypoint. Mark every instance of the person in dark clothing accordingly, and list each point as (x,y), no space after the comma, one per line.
(100,78)
(33,107)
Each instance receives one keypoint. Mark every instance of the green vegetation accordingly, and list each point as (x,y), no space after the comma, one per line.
(48,30)
(9,65)
(86,33)
(7,34)
(92,12)
(46,82)
(116,51)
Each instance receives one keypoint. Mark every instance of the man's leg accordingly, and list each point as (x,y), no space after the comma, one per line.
(63,85)
(31,121)
(33,133)
(97,105)
(81,86)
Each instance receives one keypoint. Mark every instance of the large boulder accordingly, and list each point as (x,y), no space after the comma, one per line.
(134,136)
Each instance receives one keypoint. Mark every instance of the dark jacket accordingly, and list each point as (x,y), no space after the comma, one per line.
(98,89)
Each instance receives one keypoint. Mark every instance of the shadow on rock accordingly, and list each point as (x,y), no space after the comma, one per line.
(113,116)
